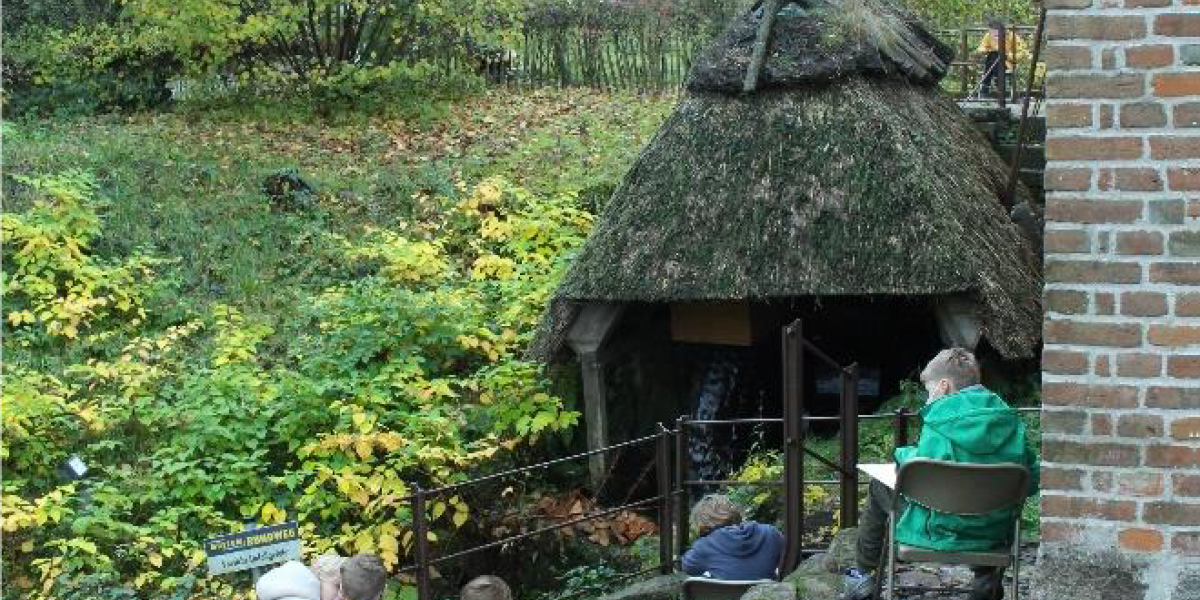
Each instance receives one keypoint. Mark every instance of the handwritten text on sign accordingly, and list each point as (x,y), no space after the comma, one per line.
(254,548)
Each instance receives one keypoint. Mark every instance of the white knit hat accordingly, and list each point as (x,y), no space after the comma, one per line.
(289,581)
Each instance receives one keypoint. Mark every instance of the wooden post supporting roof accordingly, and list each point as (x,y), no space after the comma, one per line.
(587,336)
(761,41)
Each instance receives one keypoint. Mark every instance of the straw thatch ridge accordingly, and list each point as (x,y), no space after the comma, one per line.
(864,187)
(821,41)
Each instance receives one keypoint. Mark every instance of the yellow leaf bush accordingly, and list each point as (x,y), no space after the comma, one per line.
(407,374)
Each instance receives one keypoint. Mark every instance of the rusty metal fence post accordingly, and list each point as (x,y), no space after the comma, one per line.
(900,428)
(663,466)
(964,58)
(681,491)
(421,533)
(1002,67)
(793,445)
(849,426)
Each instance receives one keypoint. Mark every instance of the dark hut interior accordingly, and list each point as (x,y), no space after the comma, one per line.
(836,185)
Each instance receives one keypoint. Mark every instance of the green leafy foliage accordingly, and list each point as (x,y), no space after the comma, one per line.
(309,362)
(85,69)
(973,13)
(589,581)
(410,374)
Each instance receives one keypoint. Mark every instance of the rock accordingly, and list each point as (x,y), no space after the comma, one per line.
(820,576)
(814,580)
(771,591)
(663,587)
(815,564)
(826,586)
(289,191)
(842,550)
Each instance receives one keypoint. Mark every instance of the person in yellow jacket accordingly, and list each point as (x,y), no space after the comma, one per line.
(989,47)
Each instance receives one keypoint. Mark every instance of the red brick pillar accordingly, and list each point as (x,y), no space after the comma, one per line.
(1121,365)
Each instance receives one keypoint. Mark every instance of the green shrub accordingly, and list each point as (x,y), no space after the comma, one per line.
(84,70)
(409,374)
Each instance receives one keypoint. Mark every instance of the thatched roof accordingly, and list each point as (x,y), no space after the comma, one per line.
(819,41)
(866,185)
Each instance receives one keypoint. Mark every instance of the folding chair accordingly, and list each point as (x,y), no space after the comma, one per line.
(959,488)
(705,588)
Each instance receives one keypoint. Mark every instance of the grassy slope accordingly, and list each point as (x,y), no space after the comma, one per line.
(188,186)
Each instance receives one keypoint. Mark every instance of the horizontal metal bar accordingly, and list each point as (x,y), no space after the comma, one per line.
(730,421)
(765,483)
(877,417)
(536,532)
(983,28)
(734,482)
(824,418)
(502,474)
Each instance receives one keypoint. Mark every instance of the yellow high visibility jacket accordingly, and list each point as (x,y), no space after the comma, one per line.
(1013,47)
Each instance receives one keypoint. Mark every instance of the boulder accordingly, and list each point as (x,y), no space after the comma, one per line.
(842,550)
(820,576)
(288,191)
(821,587)
(663,587)
(771,591)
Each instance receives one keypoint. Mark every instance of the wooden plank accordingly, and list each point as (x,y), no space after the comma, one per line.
(726,323)
(761,40)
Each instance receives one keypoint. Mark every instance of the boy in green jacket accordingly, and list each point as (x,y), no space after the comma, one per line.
(962,422)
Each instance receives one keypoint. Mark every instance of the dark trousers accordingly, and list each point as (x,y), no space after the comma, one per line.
(991,70)
(872,529)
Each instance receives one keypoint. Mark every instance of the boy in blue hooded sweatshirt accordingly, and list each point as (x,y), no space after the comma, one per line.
(729,548)
(962,421)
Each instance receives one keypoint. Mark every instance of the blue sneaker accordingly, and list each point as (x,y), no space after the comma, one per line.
(858,584)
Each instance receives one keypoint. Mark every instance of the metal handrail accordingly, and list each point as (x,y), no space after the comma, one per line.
(671,498)
(691,422)
(541,465)
(540,531)
(423,561)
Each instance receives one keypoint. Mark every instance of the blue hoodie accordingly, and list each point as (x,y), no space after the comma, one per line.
(742,552)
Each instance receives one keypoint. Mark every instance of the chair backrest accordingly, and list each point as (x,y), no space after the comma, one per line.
(962,488)
(705,588)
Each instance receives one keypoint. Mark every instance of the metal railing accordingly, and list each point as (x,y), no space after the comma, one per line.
(672,496)
(969,74)
(795,426)
(420,500)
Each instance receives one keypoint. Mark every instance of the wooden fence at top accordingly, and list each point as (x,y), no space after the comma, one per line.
(653,57)
(615,58)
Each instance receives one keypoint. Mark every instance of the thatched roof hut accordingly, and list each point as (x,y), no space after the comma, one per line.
(845,172)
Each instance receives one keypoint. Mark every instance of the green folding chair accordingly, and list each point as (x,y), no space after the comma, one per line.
(957,488)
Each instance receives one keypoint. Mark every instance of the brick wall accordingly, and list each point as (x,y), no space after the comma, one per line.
(1121,365)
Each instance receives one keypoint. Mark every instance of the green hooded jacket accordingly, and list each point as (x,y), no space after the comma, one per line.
(972,425)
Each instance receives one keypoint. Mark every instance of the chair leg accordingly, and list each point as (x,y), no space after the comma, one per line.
(1016,570)
(883,558)
(892,569)
(1016,574)
(1016,557)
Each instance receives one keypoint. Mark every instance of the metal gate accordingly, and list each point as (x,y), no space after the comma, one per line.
(795,427)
